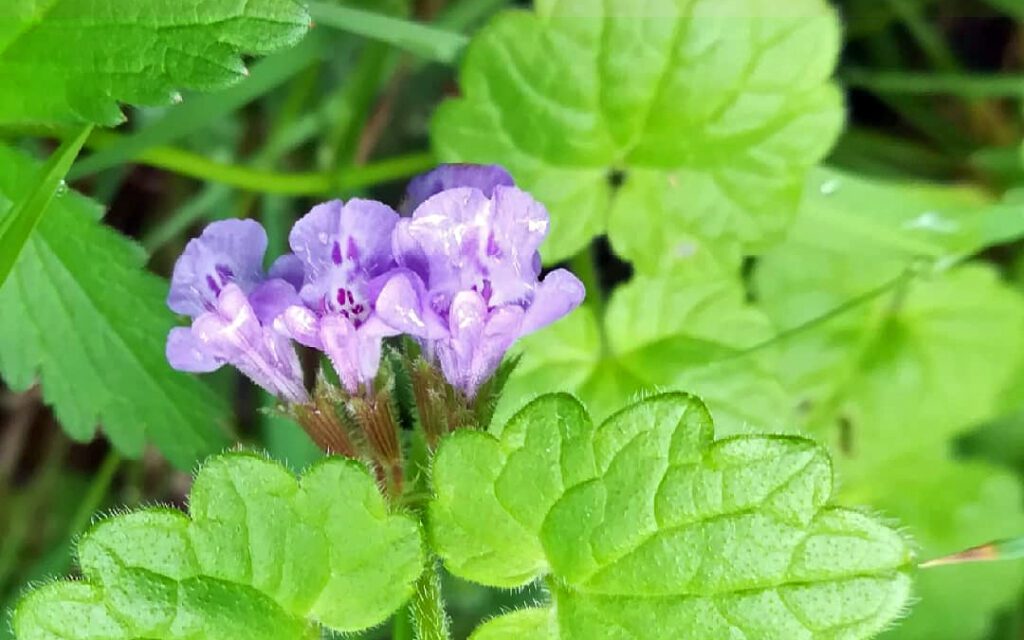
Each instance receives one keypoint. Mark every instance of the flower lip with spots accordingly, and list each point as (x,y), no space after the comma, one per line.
(344,250)
(218,281)
(468,286)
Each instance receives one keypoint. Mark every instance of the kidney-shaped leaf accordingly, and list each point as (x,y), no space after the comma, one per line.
(263,556)
(709,112)
(648,522)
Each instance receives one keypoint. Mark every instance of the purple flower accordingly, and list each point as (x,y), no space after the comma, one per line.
(343,250)
(484,177)
(468,286)
(218,281)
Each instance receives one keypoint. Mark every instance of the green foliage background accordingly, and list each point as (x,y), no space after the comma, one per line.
(807,213)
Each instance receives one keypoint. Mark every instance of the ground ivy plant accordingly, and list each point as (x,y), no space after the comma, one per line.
(510,420)
(644,522)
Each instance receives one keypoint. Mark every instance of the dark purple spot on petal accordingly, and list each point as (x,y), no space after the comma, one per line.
(493,250)
(351,300)
(336,253)
(214,287)
(340,296)
(225,273)
(352,251)
(487,290)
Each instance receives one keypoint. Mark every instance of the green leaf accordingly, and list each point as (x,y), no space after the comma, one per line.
(198,113)
(525,624)
(646,522)
(422,40)
(954,337)
(898,221)
(1009,7)
(18,224)
(949,506)
(262,556)
(713,111)
(74,60)
(79,315)
(677,331)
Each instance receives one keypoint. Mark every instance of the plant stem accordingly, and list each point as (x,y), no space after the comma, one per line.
(429,618)
(804,327)
(584,267)
(259,180)
(958,84)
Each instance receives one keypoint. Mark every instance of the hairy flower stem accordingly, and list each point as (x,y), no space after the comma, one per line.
(376,417)
(428,403)
(320,421)
(429,618)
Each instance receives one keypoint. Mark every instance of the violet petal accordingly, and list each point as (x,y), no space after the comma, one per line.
(555,297)
(355,236)
(289,268)
(227,251)
(270,298)
(450,176)
(300,324)
(186,353)
(402,304)
(354,354)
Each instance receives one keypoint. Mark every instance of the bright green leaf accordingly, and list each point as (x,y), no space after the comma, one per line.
(74,60)
(199,112)
(713,111)
(79,315)
(262,556)
(525,624)
(646,522)
(913,368)
(900,221)
(676,331)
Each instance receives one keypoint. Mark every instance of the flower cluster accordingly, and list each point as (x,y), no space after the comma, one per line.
(461,275)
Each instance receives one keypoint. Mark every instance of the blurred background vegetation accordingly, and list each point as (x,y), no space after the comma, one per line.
(933,88)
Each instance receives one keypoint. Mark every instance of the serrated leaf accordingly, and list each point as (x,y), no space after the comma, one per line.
(712,110)
(80,315)
(954,337)
(648,523)
(263,556)
(72,61)
(950,505)
(677,331)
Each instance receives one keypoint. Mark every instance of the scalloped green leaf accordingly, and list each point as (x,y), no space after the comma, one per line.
(676,331)
(263,555)
(73,61)
(647,522)
(712,111)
